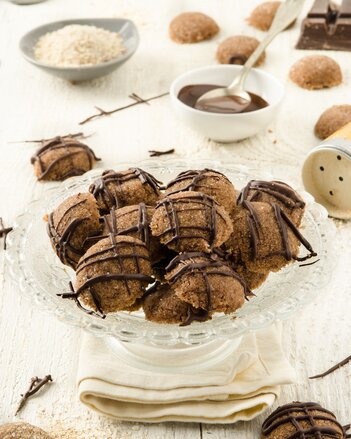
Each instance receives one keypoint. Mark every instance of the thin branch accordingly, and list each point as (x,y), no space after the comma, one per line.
(102,112)
(35,385)
(74,135)
(155,153)
(4,231)
(332,369)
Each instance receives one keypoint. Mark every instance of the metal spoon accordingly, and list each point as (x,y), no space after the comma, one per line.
(286,14)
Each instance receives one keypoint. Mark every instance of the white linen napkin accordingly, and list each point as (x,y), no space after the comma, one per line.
(238,388)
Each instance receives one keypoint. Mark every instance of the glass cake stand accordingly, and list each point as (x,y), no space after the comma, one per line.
(40,276)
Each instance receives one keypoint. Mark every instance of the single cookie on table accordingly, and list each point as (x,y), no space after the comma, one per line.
(71,224)
(332,120)
(263,15)
(237,50)
(162,305)
(276,192)
(134,221)
(62,157)
(299,420)
(22,430)
(192,27)
(206,282)
(265,237)
(125,188)
(207,181)
(112,275)
(191,221)
(314,72)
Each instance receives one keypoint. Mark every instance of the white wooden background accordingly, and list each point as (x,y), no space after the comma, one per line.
(34,105)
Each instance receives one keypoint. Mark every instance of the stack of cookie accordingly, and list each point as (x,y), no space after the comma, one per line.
(183,251)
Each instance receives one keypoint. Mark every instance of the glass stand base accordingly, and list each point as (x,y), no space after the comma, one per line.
(173,359)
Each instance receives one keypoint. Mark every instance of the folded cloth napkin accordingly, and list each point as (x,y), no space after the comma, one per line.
(237,388)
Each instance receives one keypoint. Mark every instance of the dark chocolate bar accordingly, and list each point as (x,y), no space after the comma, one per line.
(327,27)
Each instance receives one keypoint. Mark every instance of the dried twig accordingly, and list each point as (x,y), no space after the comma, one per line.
(35,385)
(4,231)
(155,153)
(134,96)
(332,369)
(74,135)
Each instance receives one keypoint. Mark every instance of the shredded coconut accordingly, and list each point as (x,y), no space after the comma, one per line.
(77,45)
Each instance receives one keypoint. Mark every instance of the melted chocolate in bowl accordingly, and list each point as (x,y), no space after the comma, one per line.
(226,104)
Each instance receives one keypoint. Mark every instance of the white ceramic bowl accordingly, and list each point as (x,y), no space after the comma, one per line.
(227,128)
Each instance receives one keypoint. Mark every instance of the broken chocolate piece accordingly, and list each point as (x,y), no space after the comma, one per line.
(327,27)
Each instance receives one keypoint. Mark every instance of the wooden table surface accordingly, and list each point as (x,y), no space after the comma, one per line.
(35,105)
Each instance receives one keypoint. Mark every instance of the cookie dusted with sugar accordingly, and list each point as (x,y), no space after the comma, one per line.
(22,430)
(265,237)
(134,221)
(125,188)
(276,192)
(192,27)
(332,120)
(302,420)
(71,224)
(209,182)
(314,72)
(190,221)
(206,282)
(112,275)
(62,157)
(237,49)
(162,305)
(263,15)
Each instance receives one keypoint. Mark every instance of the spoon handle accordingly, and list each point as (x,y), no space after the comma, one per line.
(286,14)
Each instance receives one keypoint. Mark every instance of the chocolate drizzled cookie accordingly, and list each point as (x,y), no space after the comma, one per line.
(207,181)
(207,283)
(162,305)
(134,221)
(275,192)
(190,221)
(302,420)
(112,275)
(265,238)
(71,224)
(125,188)
(62,157)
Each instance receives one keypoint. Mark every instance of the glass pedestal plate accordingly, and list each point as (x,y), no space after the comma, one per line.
(40,276)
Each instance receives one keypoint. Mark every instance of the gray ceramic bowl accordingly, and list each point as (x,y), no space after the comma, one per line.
(126,28)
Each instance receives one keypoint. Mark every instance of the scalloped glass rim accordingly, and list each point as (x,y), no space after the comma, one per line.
(39,274)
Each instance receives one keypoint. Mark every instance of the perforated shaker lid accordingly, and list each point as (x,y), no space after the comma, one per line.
(326,173)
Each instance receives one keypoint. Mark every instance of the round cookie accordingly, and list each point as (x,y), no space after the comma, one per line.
(134,221)
(265,238)
(263,15)
(192,27)
(22,430)
(125,188)
(332,120)
(302,420)
(190,221)
(276,192)
(71,224)
(62,157)
(207,181)
(252,280)
(112,275)
(162,305)
(237,50)
(207,282)
(314,72)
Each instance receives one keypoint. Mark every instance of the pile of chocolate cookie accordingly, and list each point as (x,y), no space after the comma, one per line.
(183,251)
